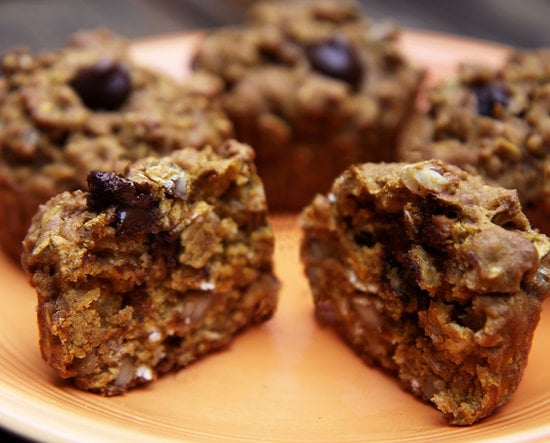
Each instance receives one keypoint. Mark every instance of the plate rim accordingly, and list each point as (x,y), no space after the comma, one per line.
(14,406)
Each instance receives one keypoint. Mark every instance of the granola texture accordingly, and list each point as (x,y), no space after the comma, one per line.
(147,271)
(432,275)
(313,86)
(89,106)
(495,123)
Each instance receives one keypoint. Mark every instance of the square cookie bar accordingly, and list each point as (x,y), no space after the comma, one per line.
(313,86)
(495,123)
(88,106)
(149,270)
(432,275)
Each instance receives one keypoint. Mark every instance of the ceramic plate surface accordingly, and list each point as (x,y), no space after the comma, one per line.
(288,380)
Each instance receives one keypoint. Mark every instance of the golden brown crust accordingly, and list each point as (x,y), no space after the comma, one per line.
(432,275)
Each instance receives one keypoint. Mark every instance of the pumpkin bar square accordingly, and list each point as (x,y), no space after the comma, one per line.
(149,270)
(432,275)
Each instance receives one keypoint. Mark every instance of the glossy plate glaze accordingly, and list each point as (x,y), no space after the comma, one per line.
(288,380)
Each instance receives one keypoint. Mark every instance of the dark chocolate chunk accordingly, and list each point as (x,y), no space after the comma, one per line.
(107,188)
(488,97)
(132,220)
(133,202)
(336,58)
(103,86)
(172,341)
(364,238)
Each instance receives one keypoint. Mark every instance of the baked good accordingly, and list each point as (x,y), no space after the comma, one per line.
(313,86)
(89,106)
(495,123)
(432,275)
(147,271)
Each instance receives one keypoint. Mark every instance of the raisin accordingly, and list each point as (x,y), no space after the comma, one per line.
(488,98)
(103,86)
(336,58)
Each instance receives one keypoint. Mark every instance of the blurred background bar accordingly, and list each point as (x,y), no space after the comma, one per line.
(45,24)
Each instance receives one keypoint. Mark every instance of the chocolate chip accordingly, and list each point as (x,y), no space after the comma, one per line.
(103,86)
(165,248)
(133,220)
(107,188)
(489,98)
(336,58)
(172,341)
(133,202)
(364,238)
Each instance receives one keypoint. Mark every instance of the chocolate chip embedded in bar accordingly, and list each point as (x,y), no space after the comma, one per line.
(489,97)
(107,188)
(337,58)
(105,85)
(133,202)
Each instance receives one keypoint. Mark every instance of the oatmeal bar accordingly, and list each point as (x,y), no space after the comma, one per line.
(313,86)
(496,123)
(88,106)
(432,275)
(149,270)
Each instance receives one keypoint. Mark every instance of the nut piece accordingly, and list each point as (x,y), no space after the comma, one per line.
(425,179)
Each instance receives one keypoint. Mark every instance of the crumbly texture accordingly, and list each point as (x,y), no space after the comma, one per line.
(313,86)
(495,123)
(148,271)
(89,106)
(432,275)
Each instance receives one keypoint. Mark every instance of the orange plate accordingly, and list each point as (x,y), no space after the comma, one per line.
(286,381)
